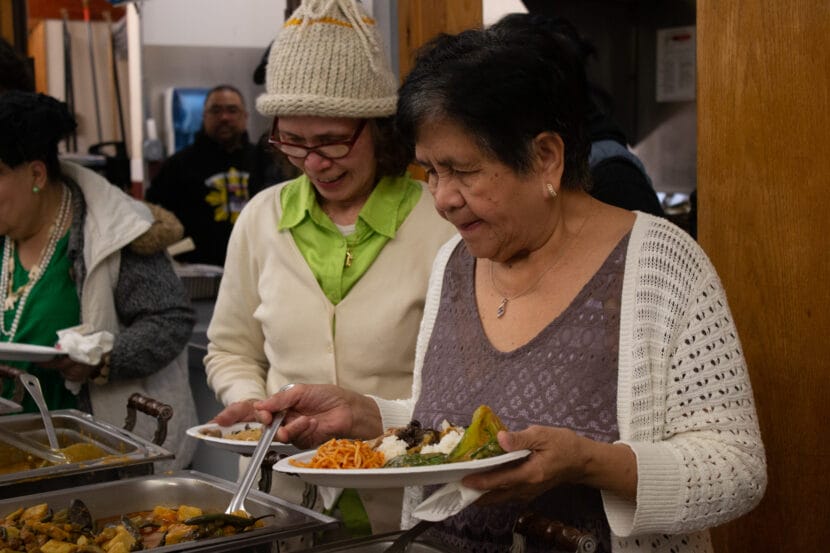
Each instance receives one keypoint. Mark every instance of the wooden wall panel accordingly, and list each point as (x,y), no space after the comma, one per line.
(7,21)
(764,218)
(420,20)
(37,50)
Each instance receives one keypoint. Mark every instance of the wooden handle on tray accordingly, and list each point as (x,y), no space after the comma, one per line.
(160,411)
(11,373)
(553,532)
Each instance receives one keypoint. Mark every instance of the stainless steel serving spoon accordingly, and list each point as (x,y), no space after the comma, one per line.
(32,385)
(246,479)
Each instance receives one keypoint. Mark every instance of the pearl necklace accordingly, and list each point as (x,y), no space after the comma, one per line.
(10,297)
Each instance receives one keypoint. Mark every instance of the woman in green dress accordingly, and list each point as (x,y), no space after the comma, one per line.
(77,250)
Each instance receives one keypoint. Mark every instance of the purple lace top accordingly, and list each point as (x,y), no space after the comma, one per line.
(565,376)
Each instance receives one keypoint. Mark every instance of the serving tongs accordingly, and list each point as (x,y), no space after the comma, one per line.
(246,479)
(55,455)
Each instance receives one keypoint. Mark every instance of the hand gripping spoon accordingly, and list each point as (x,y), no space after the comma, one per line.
(246,480)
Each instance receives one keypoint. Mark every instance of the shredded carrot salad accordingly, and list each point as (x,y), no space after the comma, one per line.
(343,454)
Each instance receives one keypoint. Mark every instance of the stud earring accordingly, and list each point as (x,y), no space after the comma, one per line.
(35,189)
(551,190)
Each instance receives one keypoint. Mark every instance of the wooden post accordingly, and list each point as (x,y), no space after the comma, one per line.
(764,218)
(420,20)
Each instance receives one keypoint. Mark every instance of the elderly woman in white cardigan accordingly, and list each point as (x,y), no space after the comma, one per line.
(602,338)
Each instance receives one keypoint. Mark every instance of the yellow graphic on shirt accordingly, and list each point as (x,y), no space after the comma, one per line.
(229,194)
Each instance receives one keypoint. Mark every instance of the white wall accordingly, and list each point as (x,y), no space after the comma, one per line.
(215,23)
(493,10)
(201,43)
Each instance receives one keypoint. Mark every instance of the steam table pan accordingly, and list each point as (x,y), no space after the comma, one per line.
(112,499)
(126,453)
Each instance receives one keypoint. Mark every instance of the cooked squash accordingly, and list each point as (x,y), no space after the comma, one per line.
(479,439)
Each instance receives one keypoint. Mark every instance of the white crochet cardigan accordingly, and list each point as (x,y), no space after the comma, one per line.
(684,400)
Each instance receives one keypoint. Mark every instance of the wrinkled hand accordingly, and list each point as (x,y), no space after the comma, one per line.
(71,370)
(557,457)
(316,413)
(240,411)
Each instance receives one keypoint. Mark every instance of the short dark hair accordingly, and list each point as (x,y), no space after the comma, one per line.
(31,126)
(392,153)
(15,72)
(505,85)
(220,87)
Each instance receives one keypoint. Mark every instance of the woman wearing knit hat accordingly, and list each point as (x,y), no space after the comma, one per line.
(326,274)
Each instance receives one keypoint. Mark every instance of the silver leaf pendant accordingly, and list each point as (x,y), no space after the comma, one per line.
(501,309)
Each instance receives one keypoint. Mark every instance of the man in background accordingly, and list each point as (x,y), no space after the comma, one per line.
(208,183)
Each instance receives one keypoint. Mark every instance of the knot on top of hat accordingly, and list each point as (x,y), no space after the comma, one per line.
(328,61)
(325,12)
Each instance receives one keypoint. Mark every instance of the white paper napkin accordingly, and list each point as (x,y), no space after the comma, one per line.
(446,501)
(84,346)
(329,496)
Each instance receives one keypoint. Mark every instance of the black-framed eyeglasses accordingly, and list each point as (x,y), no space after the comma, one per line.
(329,150)
(218,109)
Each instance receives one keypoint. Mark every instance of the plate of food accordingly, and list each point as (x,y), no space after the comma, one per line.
(10,351)
(408,456)
(241,437)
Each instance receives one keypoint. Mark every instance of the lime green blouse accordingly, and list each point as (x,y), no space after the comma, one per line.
(52,305)
(339,261)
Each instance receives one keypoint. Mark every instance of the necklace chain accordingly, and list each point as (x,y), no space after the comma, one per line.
(9,297)
(502,308)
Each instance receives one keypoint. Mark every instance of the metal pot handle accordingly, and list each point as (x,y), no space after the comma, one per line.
(11,373)
(553,532)
(160,411)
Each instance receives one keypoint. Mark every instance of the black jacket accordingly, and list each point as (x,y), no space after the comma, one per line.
(616,179)
(206,188)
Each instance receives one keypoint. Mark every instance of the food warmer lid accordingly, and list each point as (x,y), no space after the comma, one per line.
(121,448)
(111,499)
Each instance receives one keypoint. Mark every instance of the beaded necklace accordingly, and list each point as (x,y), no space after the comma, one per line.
(9,297)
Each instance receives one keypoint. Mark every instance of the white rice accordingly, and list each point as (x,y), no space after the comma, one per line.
(447,443)
(391,447)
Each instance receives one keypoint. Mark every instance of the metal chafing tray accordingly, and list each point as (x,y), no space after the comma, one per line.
(11,405)
(8,406)
(112,499)
(127,453)
(377,544)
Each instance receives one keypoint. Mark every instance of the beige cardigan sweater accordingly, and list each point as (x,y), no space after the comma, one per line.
(272,323)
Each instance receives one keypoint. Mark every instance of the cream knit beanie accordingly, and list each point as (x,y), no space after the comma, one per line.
(327,62)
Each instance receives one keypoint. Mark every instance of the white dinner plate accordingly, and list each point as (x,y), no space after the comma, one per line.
(237,446)
(9,351)
(397,477)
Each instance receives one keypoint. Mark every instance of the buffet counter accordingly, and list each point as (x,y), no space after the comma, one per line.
(210,460)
